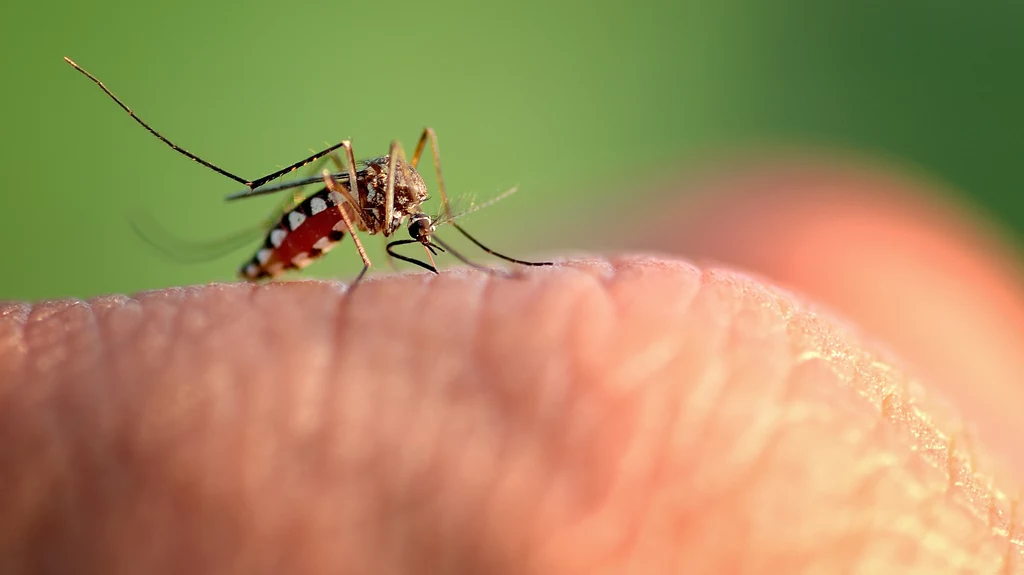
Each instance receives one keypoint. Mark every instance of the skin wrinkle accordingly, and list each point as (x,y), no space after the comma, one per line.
(774,424)
(705,390)
(706,410)
(298,458)
(449,370)
(862,381)
(78,406)
(348,338)
(533,421)
(13,319)
(683,421)
(521,405)
(311,377)
(764,442)
(586,417)
(616,536)
(558,458)
(856,533)
(341,451)
(57,414)
(844,358)
(756,441)
(13,344)
(419,447)
(409,295)
(155,337)
(896,411)
(780,212)
(658,414)
(170,424)
(515,463)
(37,327)
(645,438)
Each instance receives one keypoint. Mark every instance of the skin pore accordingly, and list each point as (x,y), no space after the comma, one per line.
(636,414)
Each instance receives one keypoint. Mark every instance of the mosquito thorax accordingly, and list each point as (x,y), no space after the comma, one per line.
(410,192)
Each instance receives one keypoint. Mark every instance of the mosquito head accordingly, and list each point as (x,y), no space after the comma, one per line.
(421,228)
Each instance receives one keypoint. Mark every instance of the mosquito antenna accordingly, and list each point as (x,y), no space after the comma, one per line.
(182,251)
(414,261)
(173,146)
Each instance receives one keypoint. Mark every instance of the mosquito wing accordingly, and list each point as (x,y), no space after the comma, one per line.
(183,251)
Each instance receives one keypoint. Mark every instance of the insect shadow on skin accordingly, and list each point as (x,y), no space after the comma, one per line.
(377,198)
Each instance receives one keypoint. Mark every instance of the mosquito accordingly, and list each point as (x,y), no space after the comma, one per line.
(377,198)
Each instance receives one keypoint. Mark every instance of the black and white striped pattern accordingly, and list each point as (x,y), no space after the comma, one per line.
(257,267)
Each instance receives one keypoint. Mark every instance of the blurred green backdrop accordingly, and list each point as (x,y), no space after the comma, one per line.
(544,95)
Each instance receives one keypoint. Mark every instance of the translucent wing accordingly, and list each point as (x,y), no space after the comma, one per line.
(183,251)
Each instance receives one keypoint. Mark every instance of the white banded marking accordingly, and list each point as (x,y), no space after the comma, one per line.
(277,236)
(263,256)
(295,219)
(275,268)
(301,260)
(323,244)
(316,205)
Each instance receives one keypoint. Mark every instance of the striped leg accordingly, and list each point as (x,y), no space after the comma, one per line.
(428,134)
(336,186)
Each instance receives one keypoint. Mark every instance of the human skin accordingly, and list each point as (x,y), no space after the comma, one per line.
(631,414)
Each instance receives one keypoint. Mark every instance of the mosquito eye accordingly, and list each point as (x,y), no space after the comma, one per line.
(416,229)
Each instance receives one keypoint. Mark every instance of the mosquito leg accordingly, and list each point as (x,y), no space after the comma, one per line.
(301,163)
(352,196)
(335,186)
(428,134)
(339,164)
(251,184)
(389,188)
(318,165)
(336,160)
(359,278)
(294,199)
(296,196)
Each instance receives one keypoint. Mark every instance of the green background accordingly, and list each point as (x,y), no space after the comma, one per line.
(550,96)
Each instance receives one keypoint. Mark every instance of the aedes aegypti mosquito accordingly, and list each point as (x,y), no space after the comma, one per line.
(387,191)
